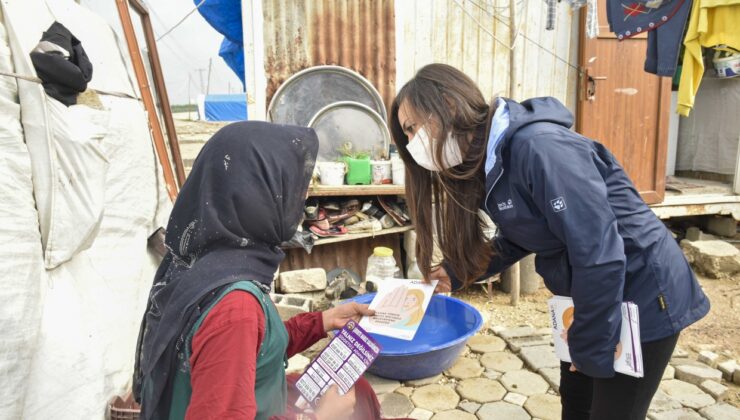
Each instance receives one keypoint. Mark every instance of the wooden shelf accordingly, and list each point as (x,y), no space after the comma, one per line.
(353,236)
(349,190)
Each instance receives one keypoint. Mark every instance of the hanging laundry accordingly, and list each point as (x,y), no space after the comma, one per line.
(664,22)
(551,14)
(713,22)
(62,64)
(592,18)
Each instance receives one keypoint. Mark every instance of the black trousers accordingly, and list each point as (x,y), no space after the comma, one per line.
(621,397)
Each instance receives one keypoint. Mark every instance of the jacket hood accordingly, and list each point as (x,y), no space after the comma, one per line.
(536,110)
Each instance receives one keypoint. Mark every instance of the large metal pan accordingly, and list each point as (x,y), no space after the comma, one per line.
(301,96)
(353,122)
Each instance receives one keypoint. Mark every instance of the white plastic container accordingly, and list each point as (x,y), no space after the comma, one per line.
(381,171)
(332,173)
(381,265)
(399,171)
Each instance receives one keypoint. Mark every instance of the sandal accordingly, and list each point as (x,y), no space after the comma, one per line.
(321,221)
(332,231)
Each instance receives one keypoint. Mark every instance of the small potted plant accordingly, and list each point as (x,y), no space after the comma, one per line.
(359,171)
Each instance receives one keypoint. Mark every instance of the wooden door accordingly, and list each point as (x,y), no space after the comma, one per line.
(623,107)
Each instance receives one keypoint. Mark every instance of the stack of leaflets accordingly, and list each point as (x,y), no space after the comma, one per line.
(342,362)
(627,355)
(399,307)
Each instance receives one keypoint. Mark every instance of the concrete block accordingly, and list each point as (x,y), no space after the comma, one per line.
(715,259)
(297,364)
(721,411)
(540,357)
(694,234)
(728,368)
(668,373)
(715,389)
(514,398)
(523,331)
(300,281)
(709,358)
(722,226)
(697,374)
(290,306)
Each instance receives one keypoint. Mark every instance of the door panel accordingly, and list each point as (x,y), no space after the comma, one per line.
(623,107)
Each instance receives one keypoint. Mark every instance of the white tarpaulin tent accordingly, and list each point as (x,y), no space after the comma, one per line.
(82,191)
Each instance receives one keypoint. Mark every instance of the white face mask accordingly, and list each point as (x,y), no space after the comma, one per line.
(422,149)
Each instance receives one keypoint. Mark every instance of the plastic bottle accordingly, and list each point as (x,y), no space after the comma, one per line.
(381,265)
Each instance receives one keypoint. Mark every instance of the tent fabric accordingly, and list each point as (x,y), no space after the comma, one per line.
(103,48)
(70,330)
(68,169)
(225,16)
(22,265)
(226,107)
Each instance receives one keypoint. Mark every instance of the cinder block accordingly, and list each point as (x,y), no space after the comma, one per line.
(290,306)
(723,226)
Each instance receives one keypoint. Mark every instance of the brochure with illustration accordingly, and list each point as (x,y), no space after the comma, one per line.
(399,307)
(627,355)
(342,362)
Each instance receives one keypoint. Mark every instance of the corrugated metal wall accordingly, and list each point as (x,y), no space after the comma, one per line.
(459,32)
(358,34)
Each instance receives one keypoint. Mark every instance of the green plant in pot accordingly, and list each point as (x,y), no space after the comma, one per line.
(359,171)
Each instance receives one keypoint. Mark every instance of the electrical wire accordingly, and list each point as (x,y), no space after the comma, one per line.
(503,22)
(181,20)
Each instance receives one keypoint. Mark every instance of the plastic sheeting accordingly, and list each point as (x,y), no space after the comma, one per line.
(21,265)
(70,332)
(68,168)
(226,107)
(226,17)
(708,138)
(93,304)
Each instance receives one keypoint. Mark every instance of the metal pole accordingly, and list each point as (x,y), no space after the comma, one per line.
(208,81)
(202,85)
(515,61)
(190,108)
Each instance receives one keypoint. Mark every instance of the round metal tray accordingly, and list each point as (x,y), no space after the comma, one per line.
(301,96)
(348,121)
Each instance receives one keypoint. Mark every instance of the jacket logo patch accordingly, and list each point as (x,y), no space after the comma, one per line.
(558,204)
(506,205)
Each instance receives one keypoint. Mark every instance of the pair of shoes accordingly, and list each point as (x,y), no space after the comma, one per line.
(358,217)
(331,231)
(320,221)
(312,210)
(369,225)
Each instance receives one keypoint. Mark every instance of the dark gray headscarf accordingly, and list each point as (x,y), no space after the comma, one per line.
(243,198)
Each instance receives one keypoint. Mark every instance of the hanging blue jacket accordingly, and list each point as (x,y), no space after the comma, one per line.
(565,198)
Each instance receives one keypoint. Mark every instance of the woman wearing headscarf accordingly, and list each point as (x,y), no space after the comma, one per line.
(212,345)
(558,195)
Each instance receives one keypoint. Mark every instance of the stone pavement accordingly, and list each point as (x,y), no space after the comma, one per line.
(512,374)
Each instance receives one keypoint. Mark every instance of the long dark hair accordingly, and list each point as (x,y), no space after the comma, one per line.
(450,95)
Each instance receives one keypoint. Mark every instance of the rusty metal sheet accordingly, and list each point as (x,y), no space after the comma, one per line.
(359,35)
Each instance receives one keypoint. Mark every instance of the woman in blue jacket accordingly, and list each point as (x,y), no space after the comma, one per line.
(561,196)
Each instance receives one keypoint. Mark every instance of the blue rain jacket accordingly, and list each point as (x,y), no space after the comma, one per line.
(565,198)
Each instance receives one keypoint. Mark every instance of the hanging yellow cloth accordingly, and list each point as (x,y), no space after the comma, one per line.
(712,22)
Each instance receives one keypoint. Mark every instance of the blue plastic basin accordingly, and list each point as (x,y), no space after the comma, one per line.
(446,327)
